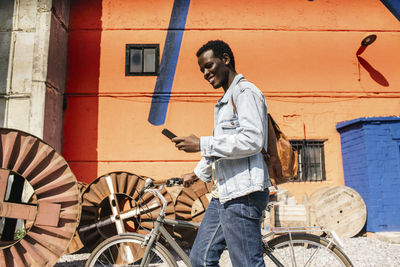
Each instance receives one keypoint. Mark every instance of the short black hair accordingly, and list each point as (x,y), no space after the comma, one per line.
(219,47)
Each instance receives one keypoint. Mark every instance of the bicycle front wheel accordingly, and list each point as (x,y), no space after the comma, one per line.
(300,249)
(127,250)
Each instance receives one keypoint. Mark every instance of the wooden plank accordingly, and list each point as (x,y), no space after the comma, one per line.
(17,211)
(290,216)
(48,214)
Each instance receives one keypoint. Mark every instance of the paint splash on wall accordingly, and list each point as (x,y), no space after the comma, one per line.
(165,79)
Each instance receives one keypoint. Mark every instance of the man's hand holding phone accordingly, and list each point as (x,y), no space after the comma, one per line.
(188,144)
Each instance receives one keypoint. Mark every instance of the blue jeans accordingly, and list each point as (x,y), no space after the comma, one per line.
(235,224)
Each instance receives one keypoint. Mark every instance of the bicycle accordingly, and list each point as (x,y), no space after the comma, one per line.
(291,247)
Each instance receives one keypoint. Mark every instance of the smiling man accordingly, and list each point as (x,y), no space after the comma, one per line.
(232,159)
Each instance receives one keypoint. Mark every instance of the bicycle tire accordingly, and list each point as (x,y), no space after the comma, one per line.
(309,250)
(126,250)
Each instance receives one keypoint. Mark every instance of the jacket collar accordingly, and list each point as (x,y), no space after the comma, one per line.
(225,98)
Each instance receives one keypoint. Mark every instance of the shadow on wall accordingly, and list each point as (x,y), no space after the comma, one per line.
(373,73)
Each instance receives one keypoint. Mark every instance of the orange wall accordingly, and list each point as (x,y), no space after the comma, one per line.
(301,54)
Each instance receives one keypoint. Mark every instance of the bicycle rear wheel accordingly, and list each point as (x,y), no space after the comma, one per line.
(127,250)
(300,249)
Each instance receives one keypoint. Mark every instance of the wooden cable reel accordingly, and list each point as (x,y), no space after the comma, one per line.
(39,201)
(192,202)
(76,243)
(117,193)
(190,205)
(339,208)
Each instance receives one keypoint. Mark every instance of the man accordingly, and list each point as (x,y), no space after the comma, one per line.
(232,159)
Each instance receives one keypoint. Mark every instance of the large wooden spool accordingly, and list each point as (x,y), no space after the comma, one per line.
(76,243)
(192,202)
(39,201)
(190,205)
(96,206)
(339,208)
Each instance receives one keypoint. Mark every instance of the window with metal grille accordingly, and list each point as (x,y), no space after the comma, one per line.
(142,59)
(311,160)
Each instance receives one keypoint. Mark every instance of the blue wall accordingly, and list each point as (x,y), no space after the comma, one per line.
(371,165)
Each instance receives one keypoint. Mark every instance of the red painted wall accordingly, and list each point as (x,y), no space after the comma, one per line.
(80,137)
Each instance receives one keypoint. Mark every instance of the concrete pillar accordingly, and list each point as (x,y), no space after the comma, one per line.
(6,22)
(37,36)
(56,73)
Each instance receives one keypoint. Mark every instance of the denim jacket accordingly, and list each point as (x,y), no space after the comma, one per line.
(237,141)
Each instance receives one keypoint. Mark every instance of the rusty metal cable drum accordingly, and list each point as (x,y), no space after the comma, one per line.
(39,201)
(115,194)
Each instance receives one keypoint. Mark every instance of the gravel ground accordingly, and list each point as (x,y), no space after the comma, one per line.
(362,251)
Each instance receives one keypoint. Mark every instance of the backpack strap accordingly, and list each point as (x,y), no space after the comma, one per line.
(233,102)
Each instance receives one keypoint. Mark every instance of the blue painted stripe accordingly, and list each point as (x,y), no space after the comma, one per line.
(393,6)
(165,79)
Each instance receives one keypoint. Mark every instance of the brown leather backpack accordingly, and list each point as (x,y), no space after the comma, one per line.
(281,158)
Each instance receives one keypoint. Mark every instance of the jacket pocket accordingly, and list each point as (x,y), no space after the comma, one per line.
(257,203)
(229,126)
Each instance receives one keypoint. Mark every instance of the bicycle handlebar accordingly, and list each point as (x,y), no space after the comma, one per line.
(169,181)
(174,181)
(157,192)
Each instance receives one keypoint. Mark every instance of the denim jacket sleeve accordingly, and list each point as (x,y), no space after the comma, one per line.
(203,169)
(248,138)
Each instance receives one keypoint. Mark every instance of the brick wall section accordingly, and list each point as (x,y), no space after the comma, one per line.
(371,166)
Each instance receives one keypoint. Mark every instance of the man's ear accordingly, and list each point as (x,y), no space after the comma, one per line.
(226,59)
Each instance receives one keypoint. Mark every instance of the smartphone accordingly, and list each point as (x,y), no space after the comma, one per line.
(168,133)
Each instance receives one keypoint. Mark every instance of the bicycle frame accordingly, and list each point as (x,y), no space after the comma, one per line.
(159,230)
